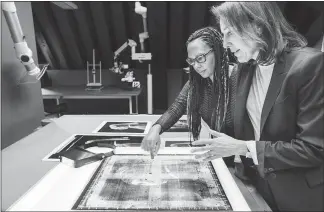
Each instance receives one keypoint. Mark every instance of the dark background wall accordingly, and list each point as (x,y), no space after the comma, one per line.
(66,39)
(71,35)
(21,104)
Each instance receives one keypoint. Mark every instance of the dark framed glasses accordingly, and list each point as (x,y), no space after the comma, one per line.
(199,59)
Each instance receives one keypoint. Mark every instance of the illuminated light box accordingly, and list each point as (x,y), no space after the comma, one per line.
(167,182)
(130,181)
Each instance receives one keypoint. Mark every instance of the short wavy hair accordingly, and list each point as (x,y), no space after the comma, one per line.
(264,23)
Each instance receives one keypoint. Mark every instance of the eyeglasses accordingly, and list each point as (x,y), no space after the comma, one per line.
(199,59)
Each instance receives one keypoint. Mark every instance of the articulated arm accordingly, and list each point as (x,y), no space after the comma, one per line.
(118,67)
(23,53)
(130,43)
(139,9)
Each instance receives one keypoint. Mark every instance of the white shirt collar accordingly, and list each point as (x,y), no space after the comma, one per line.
(255,55)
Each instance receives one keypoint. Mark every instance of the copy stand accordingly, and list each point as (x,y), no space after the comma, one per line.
(93,85)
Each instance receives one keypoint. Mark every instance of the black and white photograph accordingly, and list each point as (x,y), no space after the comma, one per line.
(184,143)
(121,104)
(181,184)
(87,141)
(123,127)
(179,126)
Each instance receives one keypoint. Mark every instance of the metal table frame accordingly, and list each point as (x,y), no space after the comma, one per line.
(79,92)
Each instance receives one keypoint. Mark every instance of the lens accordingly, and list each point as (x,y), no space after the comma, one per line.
(201,59)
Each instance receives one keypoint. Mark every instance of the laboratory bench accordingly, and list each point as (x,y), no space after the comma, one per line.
(79,92)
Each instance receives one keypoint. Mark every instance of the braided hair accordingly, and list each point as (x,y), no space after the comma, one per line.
(213,39)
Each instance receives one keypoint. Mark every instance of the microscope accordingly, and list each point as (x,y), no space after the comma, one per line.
(121,69)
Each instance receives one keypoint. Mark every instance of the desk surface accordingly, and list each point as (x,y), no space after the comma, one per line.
(22,165)
(81,92)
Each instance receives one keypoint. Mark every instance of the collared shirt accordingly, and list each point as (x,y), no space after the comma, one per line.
(254,104)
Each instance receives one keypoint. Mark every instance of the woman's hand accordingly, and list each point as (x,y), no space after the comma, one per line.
(152,141)
(221,146)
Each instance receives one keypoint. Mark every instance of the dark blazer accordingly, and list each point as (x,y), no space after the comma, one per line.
(290,150)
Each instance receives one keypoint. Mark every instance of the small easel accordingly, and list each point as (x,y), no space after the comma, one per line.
(93,85)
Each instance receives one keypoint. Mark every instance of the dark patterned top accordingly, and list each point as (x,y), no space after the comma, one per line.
(179,107)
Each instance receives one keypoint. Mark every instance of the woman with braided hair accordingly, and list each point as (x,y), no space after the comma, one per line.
(205,95)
